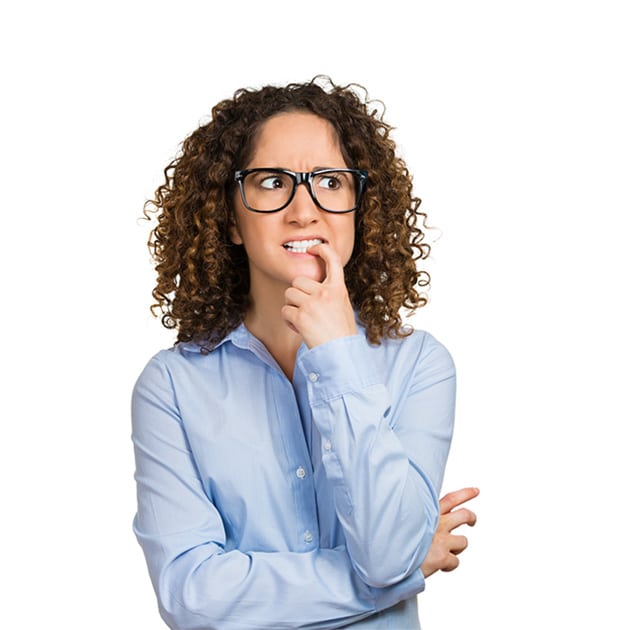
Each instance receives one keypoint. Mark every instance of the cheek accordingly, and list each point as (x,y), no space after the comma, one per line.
(252,231)
(245,230)
(346,239)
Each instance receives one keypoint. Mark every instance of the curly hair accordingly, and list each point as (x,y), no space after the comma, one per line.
(203,279)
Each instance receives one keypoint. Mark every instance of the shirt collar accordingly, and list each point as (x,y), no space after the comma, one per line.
(242,338)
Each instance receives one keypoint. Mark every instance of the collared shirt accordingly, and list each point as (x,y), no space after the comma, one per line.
(266,503)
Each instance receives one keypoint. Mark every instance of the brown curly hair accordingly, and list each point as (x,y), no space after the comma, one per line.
(203,278)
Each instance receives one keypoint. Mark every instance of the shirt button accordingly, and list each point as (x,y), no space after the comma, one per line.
(308,536)
(300,472)
(313,376)
(327,445)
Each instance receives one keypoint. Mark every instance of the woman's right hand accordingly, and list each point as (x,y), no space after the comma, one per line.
(442,555)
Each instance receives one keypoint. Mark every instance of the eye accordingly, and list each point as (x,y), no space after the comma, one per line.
(329,182)
(272,182)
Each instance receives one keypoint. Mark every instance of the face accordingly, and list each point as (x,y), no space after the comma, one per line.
(296,141)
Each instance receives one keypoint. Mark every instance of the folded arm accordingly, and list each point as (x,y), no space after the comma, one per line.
(384,451)
(200,583)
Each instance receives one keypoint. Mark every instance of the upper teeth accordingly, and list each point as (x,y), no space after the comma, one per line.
(300,247)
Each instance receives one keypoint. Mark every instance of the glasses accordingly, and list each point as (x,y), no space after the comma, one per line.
(272,189)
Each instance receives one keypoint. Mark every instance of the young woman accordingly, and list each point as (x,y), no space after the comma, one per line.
(290,448)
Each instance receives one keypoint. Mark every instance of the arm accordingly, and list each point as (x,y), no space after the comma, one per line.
(200,583)
(384,451)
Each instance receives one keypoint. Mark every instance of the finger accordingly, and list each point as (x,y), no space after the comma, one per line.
(333,265)
(452,520)
(451,500)
(290,315)
(292,328)
(450,563)
(458,544)
(305,284)
(294,296)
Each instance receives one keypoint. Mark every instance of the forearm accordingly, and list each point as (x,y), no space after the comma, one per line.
(205,588)
(385,503)
(201,582)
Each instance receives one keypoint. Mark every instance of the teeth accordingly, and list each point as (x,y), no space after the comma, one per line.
(300,247)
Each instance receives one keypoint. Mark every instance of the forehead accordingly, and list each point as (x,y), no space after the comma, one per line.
(289,138)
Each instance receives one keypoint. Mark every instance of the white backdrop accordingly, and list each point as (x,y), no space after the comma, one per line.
(507,113)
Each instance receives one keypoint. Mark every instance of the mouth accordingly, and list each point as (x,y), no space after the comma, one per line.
(301,247)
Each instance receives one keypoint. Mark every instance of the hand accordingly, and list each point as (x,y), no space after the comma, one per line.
(446,546)
(320,311)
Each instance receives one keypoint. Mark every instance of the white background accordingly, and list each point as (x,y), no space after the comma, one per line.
(508,115)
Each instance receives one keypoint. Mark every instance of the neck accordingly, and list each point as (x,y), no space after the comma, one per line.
(264,320)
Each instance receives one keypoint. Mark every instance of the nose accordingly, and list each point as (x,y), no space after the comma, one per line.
(302,209)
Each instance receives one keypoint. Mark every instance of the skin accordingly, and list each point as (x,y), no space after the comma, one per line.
(443,552)
(295,297)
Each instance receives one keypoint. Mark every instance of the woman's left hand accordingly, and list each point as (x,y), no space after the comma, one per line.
(320,311)
(443,552)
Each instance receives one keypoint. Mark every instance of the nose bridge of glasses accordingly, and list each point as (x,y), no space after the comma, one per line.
(306,179)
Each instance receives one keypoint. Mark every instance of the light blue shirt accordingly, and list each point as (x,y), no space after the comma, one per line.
(269,504)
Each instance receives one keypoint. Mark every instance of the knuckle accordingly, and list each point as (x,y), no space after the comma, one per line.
(466,516)
(451,564)
(461,544)
(323,294)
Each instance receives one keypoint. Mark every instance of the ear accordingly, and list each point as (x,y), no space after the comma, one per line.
(234,234)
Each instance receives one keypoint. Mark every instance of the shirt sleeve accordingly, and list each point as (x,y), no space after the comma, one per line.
(200,584)
(384,451)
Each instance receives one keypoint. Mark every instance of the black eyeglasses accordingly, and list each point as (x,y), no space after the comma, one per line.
(272,189)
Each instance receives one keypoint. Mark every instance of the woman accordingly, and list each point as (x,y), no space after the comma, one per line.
(290,447)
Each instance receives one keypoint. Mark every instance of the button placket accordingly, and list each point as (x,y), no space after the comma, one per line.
(298,464)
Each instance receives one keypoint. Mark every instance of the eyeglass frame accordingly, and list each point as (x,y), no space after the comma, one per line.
(304,178)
